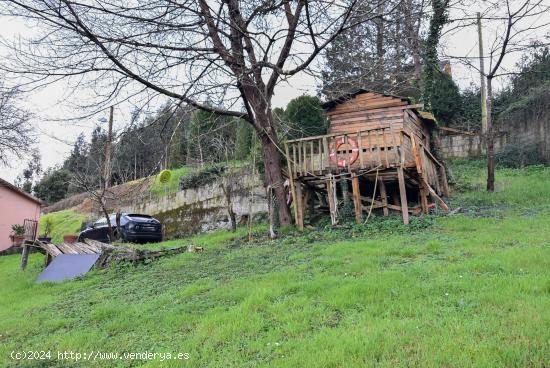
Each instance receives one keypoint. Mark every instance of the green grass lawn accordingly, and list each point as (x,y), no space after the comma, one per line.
(468,290)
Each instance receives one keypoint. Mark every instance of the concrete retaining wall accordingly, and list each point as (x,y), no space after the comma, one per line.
(466,146)
(205,208)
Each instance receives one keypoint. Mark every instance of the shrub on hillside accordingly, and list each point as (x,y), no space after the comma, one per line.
(519,155)
(202,177)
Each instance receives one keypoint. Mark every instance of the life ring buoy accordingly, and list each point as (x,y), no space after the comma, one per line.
(341,161)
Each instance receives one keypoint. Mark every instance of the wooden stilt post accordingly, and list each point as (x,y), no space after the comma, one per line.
(47,259)
(423,197)
(299,206)
(384,197)
(24,257)
(443,180)
(310,202)
(403,195)
(291,166)
(358,207)
(331,200)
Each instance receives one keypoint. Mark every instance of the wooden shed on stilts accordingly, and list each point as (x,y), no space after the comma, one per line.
(379,142)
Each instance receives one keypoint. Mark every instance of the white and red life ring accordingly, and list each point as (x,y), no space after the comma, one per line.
(341,161)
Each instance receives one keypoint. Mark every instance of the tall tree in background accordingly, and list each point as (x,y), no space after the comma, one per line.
(230,53)
(303,117)
(16,132)
(383,55)
(514,25)
(431,61)
(54,185)
(31,173)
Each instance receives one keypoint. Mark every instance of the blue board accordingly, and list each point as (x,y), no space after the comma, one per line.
(68,266)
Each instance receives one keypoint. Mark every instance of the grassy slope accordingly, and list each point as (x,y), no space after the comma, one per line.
(64,222)
(470,290)
(172,185)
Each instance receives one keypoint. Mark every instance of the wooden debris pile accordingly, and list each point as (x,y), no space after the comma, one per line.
(108,253)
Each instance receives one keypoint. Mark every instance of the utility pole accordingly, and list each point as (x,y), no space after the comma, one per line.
(107,174)
(482,76)
(107,162)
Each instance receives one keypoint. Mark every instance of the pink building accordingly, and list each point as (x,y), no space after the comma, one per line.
(15,207)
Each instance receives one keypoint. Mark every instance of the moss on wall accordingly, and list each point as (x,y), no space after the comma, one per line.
(186,220)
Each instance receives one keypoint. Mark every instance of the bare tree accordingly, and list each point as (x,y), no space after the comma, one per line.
(16,132)
(223,56)
(515,24)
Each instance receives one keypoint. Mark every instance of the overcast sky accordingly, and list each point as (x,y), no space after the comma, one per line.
(50,104)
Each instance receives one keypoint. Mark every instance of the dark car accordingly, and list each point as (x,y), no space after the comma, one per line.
(134,228)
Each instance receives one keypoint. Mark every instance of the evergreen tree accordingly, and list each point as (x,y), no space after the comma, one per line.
(54,185)
(382,54)
(446,99)
(304,117)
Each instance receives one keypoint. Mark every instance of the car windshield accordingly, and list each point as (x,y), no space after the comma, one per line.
(100,222)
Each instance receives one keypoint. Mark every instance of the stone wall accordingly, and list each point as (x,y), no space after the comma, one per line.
(202,209)
(524,127)
(466,145)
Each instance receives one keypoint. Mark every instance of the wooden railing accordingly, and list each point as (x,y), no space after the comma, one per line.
(363,150)
(355,150)
(427,166)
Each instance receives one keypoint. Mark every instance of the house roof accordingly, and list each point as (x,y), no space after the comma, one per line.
(7,184)
(424,115)
(348,96)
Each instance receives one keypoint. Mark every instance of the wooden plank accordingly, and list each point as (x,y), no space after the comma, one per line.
(403,195)
(360,144)
(327,152)
(291,181)
(334,113)
(385,146)
(24,257)
(50,249)
(378,149)
(395,159)
(383,196)
(367,105)
(437,198)
(311,157)
(369,123)
(336,152)
(331,200)
(356,198)
(294,158)
(47,259)
(304,158)
(348,154)
(443,177)
(379,204)
(320,143)
(299,206)
(355,127)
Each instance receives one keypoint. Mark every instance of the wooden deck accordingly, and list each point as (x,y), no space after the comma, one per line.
(382,154)
(108,253)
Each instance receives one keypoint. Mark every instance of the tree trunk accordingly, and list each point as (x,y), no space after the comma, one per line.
(490,139)
(227,189)
(106,214)
(273,173)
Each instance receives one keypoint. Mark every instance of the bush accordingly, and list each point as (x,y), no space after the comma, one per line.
(202,177)
(519,155)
